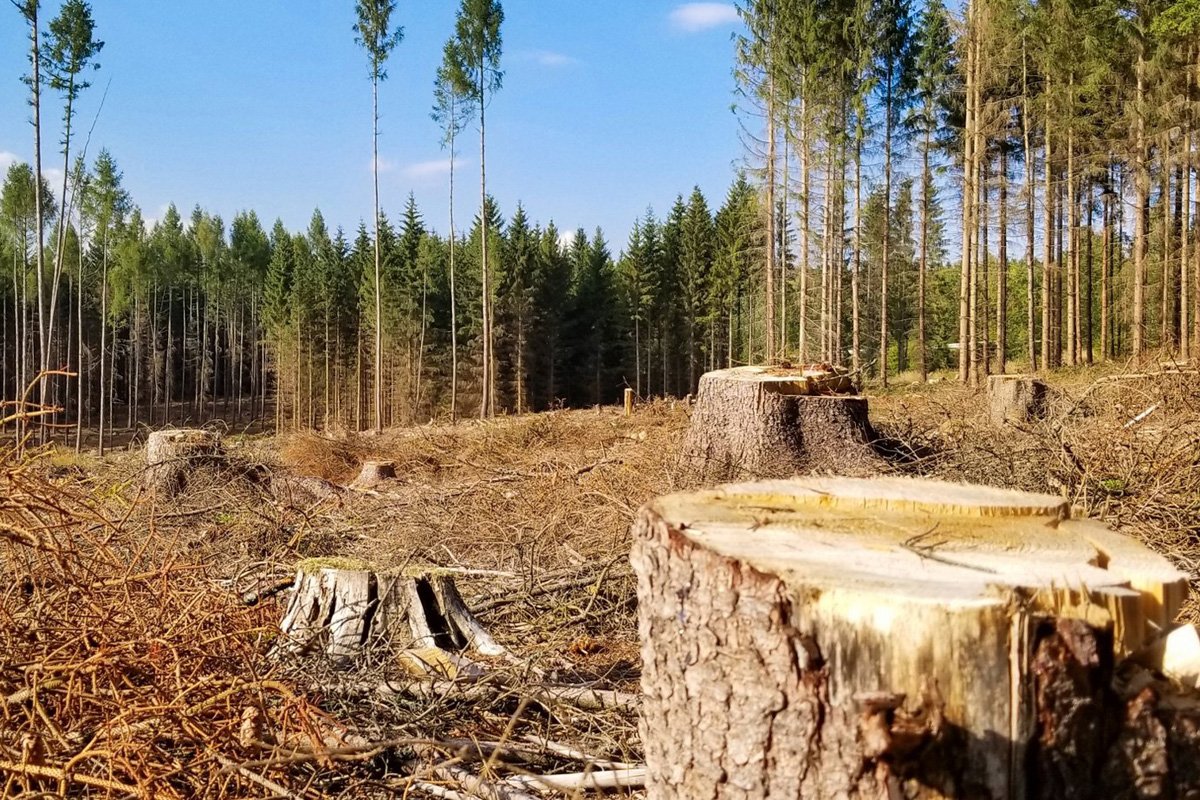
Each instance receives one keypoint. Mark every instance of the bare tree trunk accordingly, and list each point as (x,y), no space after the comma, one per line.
(1106,272)
(966,277)
(1072,253)
(1048,243)
(1030,291)
(887,232)
(923,267)
(487,405)
(856,270)
(804,228)
(1002,267)
(1141,202)
(771,232)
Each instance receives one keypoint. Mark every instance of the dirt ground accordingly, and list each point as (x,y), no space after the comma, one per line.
(134,659)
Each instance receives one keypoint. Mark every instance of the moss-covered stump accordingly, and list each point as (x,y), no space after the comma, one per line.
(764,422)
(1016,398)
(843,638)
(345,607)
(172,455)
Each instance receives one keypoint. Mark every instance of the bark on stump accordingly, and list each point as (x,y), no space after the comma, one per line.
(1016,398)
(374,473)
(171,456)
(849,638)
(758,422)
(346,607)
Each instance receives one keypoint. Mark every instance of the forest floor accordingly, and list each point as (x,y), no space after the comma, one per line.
(134,661)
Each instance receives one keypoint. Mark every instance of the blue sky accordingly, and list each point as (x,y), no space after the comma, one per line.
(607,107)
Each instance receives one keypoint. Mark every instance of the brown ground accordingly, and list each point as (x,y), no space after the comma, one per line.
(130,657)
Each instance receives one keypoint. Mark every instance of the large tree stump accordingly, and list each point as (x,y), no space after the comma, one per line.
(759,422)
(893,638)
(172,455)
(345,607)
(1016,398)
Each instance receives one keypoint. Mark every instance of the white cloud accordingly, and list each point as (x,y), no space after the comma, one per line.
(695,17)
(7,159)
(428,169)
(386,165)
(548,58)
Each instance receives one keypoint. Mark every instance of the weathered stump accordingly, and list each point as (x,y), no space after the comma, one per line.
(848,638)
(758,422)
(172,455)
(1016,398)
(374,473)
(345,607)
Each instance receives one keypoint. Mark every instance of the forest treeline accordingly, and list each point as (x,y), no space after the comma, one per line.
(1018,179)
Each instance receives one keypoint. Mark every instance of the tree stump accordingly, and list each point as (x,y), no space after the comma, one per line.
(758,422)
(345,607)
(171,456)
(895,638)
(374,473)
(1016,398)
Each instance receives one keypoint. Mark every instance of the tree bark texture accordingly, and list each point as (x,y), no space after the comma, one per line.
(892,638)
(760,422)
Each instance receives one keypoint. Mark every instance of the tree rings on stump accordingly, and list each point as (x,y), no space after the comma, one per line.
(1016,398)
(172,455)
(345,606)
(850,638)
(760,422)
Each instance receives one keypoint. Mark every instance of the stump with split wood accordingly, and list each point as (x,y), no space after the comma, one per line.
(171,456)
(374,473)
(1016,398)
(893,638)
(764,422)
(345,607)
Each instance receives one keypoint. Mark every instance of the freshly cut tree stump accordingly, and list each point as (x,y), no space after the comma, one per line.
(374,473)
(345,606)
(761,422)
(1016,398)
(895,638)
(172,455)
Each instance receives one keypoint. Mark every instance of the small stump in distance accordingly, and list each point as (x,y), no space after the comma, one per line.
(374,473)
(173,454)
(843,638)
(346,607)
(1016,398)
(773,422)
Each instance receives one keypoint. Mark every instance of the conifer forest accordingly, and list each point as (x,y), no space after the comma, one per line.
(922,190)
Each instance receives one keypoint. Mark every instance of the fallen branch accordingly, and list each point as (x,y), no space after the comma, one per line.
(634,777)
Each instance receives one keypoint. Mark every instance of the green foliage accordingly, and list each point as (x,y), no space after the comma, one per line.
(376,34)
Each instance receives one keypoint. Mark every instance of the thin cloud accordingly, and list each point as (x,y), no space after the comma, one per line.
(548,58)
(423,170)
(386,165)
(696,17)
(7,159)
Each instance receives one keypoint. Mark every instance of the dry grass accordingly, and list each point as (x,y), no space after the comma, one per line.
(131,656)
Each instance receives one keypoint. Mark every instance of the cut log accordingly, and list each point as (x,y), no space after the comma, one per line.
(758,422)
(345,607)
(1016,398)
(374,473)
(849,638)
(171,456)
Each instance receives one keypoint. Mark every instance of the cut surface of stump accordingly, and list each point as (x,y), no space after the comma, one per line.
(346,606)
(174,454)
(851,638)
(762,422)
(374,473)
(1016,398)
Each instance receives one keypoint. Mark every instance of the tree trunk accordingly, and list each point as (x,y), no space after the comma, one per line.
(760,422)
(1030,292)
(1002,266)
(1141,181)
(854,639)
